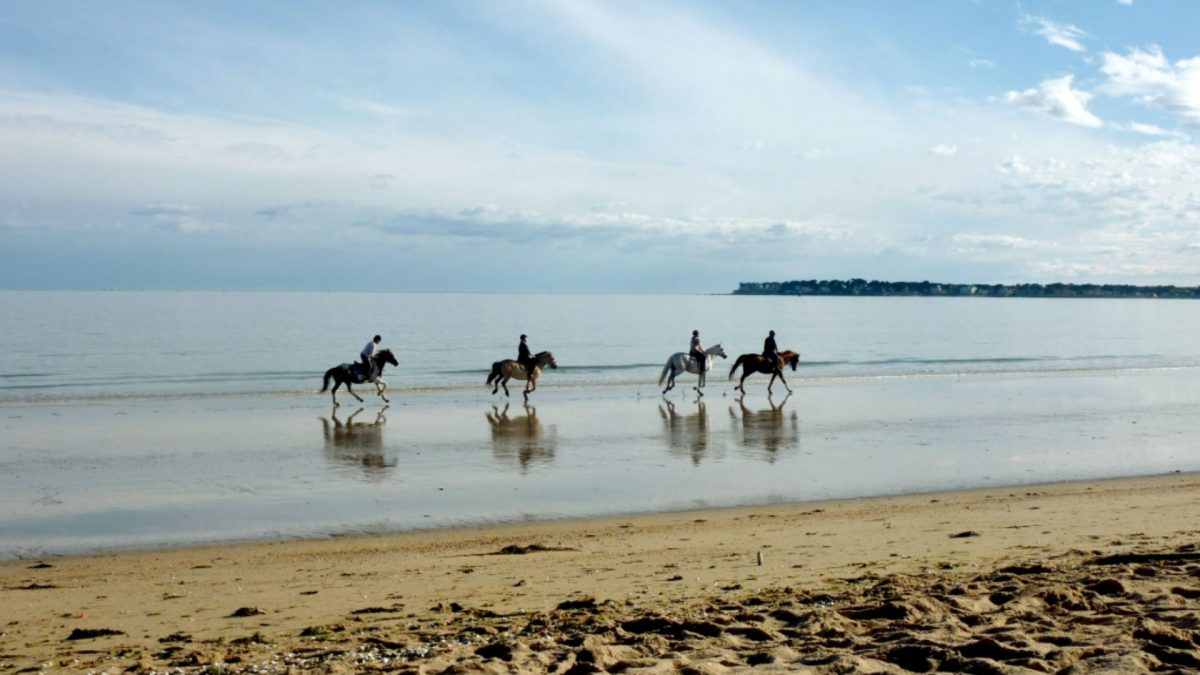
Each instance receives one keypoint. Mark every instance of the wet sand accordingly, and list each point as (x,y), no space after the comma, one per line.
(1079,577)
(79,477)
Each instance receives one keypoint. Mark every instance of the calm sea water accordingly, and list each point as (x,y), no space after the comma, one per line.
(150,419)
(65,346)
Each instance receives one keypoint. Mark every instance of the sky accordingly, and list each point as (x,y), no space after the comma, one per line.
(609,146)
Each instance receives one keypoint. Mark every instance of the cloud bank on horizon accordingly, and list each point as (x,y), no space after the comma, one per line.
(568,145)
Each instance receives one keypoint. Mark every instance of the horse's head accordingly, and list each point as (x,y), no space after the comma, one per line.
(792,359)
(716,350)
(544,359)
(386,356)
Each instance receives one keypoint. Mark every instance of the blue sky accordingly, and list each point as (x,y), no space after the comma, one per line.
(596,146)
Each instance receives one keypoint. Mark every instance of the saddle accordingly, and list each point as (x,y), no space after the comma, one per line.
(356,371)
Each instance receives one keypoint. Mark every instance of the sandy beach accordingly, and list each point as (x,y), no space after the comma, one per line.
(1073,577)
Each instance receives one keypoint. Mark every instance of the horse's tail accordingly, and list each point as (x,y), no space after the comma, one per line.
(328,374)
(736,364)
(663,377)
(495,374)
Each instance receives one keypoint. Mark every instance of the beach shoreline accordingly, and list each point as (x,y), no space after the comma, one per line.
(177,472)
(438,598)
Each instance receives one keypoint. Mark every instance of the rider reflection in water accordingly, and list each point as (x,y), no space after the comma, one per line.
(368,354)
(696,351)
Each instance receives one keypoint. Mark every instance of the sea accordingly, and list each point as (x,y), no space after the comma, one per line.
(151,419)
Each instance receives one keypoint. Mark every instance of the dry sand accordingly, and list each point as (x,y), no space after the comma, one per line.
(1078,577)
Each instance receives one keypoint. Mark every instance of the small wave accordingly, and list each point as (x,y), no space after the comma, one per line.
(636,375)
(150,379)
(996,360)
(560,369)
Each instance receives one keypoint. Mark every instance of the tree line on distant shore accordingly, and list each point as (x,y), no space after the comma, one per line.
(928,288)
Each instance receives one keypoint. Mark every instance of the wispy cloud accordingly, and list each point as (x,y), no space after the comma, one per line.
(974,242)
(1061,34)
(1058,99)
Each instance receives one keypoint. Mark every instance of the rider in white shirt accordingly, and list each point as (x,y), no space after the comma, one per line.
(368,354)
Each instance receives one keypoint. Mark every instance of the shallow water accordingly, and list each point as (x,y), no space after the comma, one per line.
(150,419)
(141,473)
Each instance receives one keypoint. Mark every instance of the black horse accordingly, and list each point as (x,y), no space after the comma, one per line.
(352,373)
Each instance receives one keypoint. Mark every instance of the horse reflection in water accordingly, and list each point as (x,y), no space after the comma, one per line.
(521,437)
(358,443)
(686,432)
(766,431)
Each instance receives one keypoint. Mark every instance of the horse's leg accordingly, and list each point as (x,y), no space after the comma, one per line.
(352,393)
(785,384)
(381,387)
(742,384)
(504,383)
(333,393)
(670,380)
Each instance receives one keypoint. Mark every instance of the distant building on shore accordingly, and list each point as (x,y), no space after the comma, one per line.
(927,288)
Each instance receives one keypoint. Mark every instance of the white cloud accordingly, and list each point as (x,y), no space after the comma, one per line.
(814,153)
(1057,99)
(993,242)
(1148,129)
(1063,35)
(981,63)
(1125,2)
(1014,166)
(1149,78)
(944,150)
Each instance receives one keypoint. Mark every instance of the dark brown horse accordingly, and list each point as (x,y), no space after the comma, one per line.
(757,363)
(351,373)
(503,371)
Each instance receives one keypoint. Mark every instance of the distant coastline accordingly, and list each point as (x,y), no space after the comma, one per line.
(863,287)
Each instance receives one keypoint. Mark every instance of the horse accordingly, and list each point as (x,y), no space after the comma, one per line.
(681,362)
(503,371)
(757,363)
(348,374)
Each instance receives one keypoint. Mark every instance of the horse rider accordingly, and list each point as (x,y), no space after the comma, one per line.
(696,351)
(368,357)
(525,357)
(771,351)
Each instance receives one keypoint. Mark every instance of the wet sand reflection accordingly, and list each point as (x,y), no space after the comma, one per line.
(358,443)
(766,432)
(687,432)
(521,437)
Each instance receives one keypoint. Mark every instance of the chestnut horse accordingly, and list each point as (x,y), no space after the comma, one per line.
(503,371)
(757,363)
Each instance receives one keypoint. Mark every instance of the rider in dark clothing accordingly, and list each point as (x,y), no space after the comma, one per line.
(695,350)
(771,350)
(524,357)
